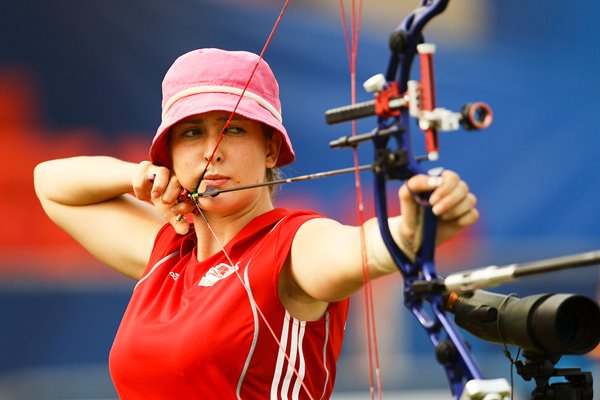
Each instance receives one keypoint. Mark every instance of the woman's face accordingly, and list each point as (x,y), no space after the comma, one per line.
(241,158)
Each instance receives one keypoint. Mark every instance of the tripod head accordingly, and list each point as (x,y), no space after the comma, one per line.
(540,368)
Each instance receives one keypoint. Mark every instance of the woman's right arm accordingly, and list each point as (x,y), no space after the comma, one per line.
(88,197)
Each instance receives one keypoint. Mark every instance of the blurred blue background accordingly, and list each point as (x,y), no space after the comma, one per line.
(84,78)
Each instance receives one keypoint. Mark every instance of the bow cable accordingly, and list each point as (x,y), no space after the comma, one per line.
(370,328)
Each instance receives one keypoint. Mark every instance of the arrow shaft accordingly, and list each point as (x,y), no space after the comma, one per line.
(212,192)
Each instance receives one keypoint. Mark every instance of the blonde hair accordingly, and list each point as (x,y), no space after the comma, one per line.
(272,174)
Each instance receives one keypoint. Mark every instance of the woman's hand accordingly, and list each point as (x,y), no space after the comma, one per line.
(452,203)
(159,186)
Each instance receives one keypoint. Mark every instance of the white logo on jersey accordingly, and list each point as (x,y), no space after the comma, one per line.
(217,273)
(174,275)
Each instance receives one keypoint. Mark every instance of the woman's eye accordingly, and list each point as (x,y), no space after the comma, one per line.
(190,132)
(234,130)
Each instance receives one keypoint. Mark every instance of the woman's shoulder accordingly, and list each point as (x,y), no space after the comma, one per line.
(168,241)
(283,219)
(296,215)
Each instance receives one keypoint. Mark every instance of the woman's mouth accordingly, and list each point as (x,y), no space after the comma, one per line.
(215,180)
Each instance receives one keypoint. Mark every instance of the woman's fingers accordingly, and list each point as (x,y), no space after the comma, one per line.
(160,187)
(170,194)
(451,202)
(457,207)
(150,181)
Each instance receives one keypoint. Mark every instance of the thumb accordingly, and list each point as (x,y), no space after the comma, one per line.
(411,207)
(180,224)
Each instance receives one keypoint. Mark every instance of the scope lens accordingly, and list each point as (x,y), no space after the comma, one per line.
(576,327)
(566,326)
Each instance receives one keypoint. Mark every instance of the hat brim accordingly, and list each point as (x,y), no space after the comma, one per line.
(206,102)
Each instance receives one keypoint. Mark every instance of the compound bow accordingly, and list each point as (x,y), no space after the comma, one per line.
(397,100)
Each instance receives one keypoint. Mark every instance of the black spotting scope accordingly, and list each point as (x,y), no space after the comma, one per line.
(553,324)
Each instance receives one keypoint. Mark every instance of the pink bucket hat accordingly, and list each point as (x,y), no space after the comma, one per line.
(213,80)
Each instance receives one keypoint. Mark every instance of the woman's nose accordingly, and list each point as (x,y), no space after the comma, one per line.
(212,150)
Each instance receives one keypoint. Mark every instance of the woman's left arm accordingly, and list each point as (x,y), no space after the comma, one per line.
(326,258)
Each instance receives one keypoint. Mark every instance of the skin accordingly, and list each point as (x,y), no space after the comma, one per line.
(120,229)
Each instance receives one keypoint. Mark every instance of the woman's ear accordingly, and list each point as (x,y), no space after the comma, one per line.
(273,146)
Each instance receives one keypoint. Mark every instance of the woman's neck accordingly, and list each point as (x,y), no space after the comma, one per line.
(223,227)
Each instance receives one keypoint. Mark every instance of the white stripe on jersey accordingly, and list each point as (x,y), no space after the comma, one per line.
(295,329)
(280,357)
(302,365)
(325,353)
(289,375)
(292,360)
(165,258)
(254,338)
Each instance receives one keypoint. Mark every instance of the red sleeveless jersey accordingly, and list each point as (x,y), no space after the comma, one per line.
(192,330)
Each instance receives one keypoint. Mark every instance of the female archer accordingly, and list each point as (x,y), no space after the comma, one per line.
(238,299)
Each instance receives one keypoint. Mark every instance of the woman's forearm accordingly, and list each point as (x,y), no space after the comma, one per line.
(83,180)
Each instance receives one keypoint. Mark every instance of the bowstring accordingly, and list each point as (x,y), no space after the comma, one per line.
(241,96)
(370,326)
(197,205)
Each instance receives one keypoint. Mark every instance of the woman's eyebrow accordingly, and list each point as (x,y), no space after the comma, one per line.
(201,120)
(237,118)
(192,121)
